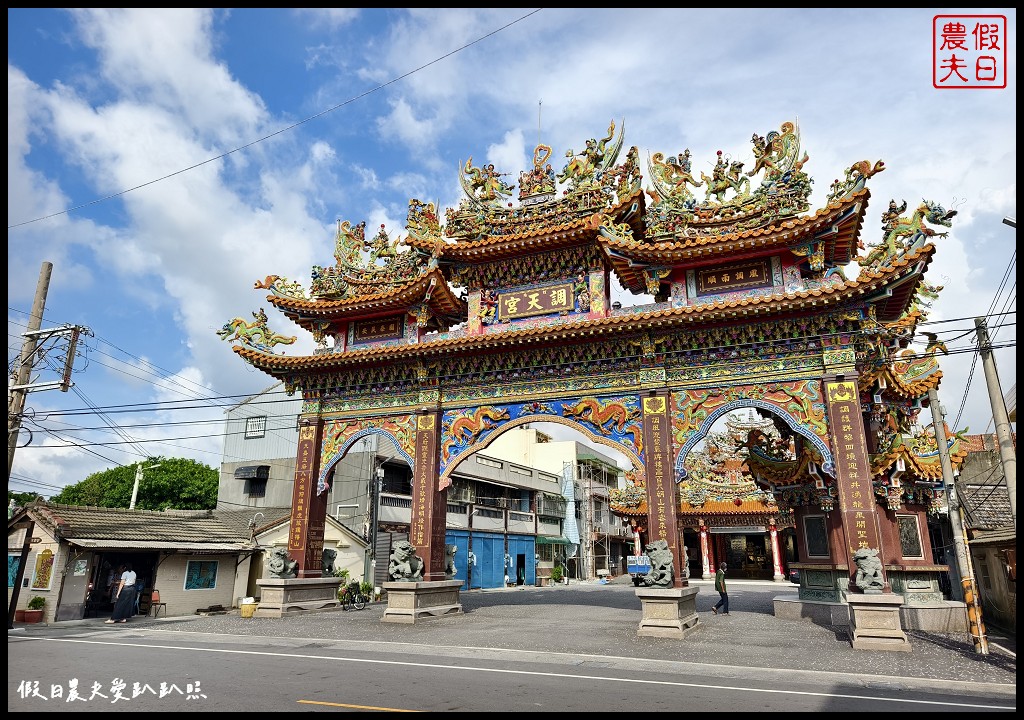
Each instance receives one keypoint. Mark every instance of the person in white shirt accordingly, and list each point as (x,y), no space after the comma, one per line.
(124,606)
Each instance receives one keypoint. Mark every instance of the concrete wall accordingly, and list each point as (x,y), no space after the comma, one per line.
(170,581)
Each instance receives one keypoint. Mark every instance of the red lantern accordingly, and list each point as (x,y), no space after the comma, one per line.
(737,502)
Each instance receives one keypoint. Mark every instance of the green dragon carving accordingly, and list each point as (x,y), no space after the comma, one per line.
(903,234)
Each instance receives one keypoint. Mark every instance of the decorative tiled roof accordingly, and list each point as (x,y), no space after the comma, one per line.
(920,457)
(837,226)
(431,287)
(747,506)
(870,284)
(555,228)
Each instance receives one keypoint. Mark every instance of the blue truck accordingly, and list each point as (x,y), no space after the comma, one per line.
(637,566)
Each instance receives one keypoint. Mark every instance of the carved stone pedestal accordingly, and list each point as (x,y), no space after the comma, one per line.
(279,597)
(411,602)
(667,612)
(875,622)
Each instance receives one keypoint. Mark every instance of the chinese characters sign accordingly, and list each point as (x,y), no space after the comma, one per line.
(753,274)
(853,477)
(309,510)
(428,503)
(539,301)
(661,486)
(381,329)
(969,51)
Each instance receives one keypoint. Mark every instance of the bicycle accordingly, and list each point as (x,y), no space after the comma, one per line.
(352,597)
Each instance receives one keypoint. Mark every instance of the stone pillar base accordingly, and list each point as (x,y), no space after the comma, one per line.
(411,602)
(281,596)
(667,612)
(875,622)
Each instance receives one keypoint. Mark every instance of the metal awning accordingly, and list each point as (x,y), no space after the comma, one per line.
(252,472)
(169,545)
(542,540)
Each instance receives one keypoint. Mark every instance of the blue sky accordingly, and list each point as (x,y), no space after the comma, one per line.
(364,109)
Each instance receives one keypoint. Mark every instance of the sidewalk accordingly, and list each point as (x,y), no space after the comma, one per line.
(592,622)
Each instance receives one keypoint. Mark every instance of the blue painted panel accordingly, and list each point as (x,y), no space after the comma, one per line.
(489,571)
(524,545)
(460,539)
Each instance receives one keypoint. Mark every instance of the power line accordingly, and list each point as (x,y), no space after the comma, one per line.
(282,130)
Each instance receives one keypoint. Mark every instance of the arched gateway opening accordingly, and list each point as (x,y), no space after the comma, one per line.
(493,316)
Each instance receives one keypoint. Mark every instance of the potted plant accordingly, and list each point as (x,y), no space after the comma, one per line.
(34,611)
(556,574)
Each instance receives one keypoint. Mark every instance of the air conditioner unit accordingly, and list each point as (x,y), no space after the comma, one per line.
(460,494)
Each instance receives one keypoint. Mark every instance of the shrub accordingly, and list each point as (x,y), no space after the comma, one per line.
(37,603)
(556,574)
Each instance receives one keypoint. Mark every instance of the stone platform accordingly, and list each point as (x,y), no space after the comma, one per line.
(412,602)
(281,596)
(667,612)
(875,622)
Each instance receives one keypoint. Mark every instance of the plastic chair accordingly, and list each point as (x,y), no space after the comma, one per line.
(155,605)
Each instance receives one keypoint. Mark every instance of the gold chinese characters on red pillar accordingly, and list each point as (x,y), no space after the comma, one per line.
(429,503)
(853,475)
(309,510)
(662,508)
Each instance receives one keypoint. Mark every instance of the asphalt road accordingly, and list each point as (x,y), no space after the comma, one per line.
(526,649)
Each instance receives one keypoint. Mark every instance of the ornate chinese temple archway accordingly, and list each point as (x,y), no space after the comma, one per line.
(501,315)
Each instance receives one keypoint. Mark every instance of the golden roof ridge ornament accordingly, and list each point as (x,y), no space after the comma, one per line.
(730,204)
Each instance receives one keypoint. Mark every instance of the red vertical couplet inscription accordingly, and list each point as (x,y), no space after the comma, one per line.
(969,51)
(853,476)
(306,530)
(662,504)
(429,503)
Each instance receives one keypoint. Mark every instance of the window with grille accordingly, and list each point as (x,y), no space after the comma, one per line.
(256,427)
(256,487)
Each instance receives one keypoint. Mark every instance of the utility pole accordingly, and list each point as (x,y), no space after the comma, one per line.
(376,485)
(975,624)
(138,481)
(19,388)
(1007,453)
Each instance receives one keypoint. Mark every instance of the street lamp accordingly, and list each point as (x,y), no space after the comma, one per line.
(138,481)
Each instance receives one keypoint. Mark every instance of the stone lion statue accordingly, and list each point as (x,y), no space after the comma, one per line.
(281,565)
(405,564)
(449,561)
(869,571)
(662,572)
(327,563)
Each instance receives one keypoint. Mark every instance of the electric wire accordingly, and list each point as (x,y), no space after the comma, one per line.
(281,131)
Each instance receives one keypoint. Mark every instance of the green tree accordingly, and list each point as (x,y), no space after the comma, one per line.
(21,499)
(178,483)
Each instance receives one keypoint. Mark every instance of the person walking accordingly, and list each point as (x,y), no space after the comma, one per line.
(124,606)
(723,600)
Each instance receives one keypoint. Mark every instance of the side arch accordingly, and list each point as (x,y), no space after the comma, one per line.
(792,422)
(340,435)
